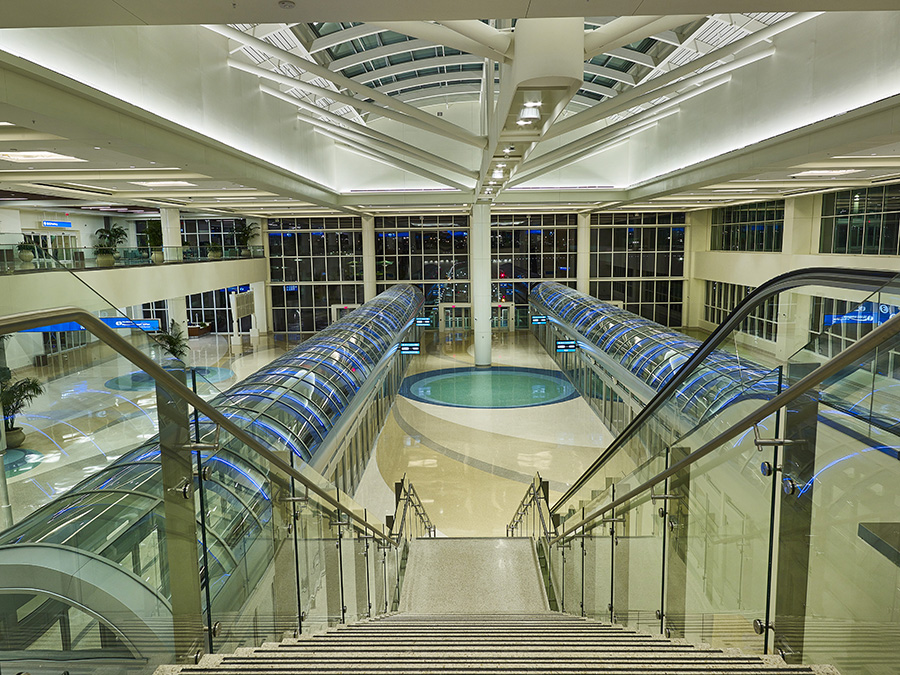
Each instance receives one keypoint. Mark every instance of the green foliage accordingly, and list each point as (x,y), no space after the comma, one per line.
(109,239)
(244,232)
(154,234)
(174,341)
(25,246)
(16,395)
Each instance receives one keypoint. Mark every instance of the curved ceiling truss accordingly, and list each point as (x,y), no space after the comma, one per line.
(635,68)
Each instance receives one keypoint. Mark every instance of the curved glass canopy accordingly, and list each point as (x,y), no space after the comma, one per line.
(114,521)
(653,352)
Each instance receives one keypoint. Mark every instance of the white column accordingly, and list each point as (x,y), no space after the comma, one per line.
(6,519)
(368,269)
(583,253)
(171,233)
(260,310)
(697,234)
(178,312)
(480,275)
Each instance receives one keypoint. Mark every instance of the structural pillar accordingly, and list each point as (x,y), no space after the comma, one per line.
(583,254)
(480,275)
(368,258)
(171,233)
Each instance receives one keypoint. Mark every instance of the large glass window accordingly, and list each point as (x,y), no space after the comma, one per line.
(862,221)
(748,227)
(637,262)
(315,265)
(722,298)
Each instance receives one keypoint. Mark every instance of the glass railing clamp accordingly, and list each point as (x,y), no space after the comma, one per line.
(654,497)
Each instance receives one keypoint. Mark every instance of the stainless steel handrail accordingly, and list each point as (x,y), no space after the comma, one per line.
(18,322)
(410,497)
(853,353)
(838,277)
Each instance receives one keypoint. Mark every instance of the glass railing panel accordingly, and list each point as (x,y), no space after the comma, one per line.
(354,568)
(718,517)
(378,582)
(573,573)
(638,555)
(598,579)
(839,555)
(318,567)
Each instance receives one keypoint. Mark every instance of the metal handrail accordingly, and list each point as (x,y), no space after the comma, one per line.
(853,353)
(532,498)
(838,277)
(409,496)
(14,323)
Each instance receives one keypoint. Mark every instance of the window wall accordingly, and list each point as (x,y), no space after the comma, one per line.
(722,298)
(431,252)
(526,249)
(864,221)
(637,262)
(748,227)
(315,266)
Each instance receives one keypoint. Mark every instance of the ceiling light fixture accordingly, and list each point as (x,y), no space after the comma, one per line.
(37,156)
(532,99)
(826,172)
(497,174)
(529,115)
(163,183)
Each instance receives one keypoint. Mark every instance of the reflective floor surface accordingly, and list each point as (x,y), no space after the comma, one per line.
(471,466)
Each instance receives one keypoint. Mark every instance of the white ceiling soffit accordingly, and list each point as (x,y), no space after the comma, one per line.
(177,12)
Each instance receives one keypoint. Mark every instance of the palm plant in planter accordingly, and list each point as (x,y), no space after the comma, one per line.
(109,238)
(174,341)
(243,233)
(14,397)
(26,251)
(155,241)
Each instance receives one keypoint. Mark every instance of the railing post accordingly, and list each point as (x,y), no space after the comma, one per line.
(180,523)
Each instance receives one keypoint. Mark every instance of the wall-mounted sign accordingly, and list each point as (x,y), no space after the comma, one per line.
(56,223)
(423,321)
(566,345)
(539,320)
(410,348)
(867,312)
(113,322)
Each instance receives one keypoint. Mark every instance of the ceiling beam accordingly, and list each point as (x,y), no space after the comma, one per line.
(443,35)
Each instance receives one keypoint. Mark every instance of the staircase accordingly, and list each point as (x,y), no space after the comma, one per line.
(487,645)
(477,607)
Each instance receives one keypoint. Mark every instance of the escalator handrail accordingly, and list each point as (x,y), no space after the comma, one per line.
(849,356)
(836,277)
(14,323)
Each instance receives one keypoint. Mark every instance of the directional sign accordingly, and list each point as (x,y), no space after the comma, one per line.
(151,325)
(566,345)
(866,313)
(423,321)
(538,320)
(410,348)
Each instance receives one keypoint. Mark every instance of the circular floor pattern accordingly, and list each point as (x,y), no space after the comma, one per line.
(19,461)
(495,387)
(141,381)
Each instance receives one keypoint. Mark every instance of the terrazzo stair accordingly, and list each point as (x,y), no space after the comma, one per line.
(487,644)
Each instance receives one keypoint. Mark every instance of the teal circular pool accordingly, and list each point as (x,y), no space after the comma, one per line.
(496,387)
(141,381)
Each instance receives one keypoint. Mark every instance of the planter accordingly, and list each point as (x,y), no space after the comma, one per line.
(245,252)
(197,331)
(106,260)
(157,257)
(26,256)
(215,254)
(15,438)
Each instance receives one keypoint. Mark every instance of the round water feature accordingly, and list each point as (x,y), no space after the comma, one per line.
(495,387)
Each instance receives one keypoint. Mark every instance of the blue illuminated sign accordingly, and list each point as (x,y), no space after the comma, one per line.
(423,321)
(56,223)
(539,320)
(566,345)
(866,313)
(114,322)
(410,348)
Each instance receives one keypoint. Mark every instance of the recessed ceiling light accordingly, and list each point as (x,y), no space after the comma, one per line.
(96,147)
(163,183)
(37,156)
(222,199)
(826,172)
(7,124)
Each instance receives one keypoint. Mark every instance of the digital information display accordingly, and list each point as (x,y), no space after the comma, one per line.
(423,321)
(56,223)
(409,348)
(866,313)
(113,322)
(539,320)
(566,345)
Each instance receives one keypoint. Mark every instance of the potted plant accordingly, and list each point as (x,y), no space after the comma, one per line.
(109,238)
(14,397)
(155,241)
(243,233)
(26,251)
(174,341)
